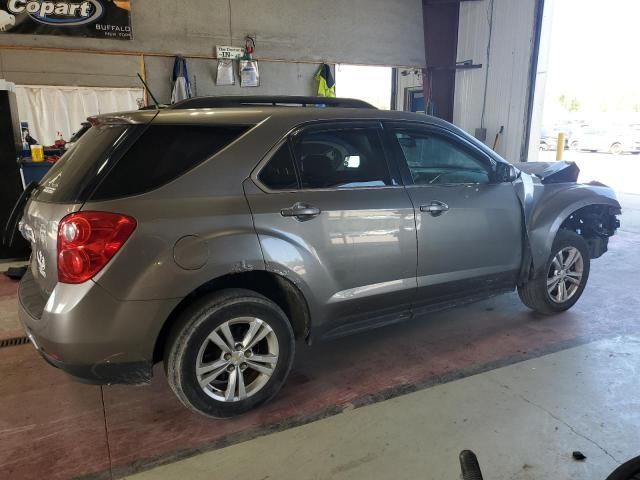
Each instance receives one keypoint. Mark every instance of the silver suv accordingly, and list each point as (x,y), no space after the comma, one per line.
(213,234)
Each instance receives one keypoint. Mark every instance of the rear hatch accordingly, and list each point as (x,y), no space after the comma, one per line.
(121,155)
(63,190)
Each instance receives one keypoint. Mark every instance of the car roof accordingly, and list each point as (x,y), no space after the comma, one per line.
(252,115)
(253,111)
(270,100)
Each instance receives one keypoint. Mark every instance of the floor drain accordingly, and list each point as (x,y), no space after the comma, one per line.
(13,342)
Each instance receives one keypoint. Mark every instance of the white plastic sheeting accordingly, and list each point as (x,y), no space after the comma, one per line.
(508,61)
(50,109)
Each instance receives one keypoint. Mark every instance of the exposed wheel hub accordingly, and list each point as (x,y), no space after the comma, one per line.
(237,357)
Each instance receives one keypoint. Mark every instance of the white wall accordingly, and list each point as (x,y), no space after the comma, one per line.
(505,71)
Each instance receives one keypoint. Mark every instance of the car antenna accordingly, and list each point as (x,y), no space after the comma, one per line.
(149,91)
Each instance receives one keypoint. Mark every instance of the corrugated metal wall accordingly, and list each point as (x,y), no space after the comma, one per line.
(375,32)
(508,26)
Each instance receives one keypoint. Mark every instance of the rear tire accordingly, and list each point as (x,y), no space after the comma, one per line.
(554,290)
(211,362)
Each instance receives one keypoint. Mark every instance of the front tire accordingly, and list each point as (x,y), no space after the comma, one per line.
(229,352)
(627,471)
(563,279)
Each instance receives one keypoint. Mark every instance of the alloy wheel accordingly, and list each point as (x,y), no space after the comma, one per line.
(237,359)
(616,149)
(565,274)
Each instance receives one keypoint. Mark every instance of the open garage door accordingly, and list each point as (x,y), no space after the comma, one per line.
(587,91)
(369,83)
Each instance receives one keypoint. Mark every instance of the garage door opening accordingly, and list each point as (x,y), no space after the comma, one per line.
(368,83)
(587,91)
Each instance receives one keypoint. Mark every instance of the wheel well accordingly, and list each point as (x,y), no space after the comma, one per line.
(594,223)
(276,288)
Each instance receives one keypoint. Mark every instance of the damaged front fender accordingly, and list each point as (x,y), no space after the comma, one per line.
(549,196)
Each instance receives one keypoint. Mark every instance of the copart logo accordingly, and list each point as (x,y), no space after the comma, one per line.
(58,13)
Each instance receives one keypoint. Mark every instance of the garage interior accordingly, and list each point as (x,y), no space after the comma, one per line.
(525,392)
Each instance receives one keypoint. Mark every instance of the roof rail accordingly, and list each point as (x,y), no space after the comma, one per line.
(275,101)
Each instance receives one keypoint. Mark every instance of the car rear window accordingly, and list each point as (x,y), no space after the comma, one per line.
(67,180)
(163,153)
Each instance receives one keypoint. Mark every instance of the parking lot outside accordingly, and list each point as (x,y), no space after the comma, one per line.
(621,172)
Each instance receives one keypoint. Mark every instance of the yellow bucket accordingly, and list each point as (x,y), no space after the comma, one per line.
(37,153)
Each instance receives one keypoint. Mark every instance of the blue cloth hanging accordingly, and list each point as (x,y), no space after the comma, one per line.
(180,83)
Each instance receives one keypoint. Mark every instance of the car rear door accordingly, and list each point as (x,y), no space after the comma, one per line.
(334,219)
(468,224)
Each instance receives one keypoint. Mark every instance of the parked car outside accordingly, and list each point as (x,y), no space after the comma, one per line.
(549,139)
(212,235)
(609,139)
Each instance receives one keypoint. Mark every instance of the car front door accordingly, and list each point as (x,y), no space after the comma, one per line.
(468,224)
(331,216)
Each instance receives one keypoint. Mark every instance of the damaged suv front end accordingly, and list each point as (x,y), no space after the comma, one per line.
(553,199)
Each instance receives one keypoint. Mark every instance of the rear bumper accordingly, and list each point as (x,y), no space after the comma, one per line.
(89,334)
(101,373)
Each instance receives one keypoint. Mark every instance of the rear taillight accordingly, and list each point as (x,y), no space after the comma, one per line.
(87,241)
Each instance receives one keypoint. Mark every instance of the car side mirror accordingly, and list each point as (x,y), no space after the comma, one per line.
(514,173)
(506,173)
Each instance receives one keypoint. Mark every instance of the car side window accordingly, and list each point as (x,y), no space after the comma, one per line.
(341,158)
(162,154)
(433,159)
(279,173)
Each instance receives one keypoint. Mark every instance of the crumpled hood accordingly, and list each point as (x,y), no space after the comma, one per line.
(551,172)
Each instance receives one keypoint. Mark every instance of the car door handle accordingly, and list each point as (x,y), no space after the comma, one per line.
(435,208)
(301,211)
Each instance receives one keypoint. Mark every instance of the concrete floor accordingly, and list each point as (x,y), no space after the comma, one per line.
(620,172)
(52,427)
(523,422)
(6,264)
(385,404)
